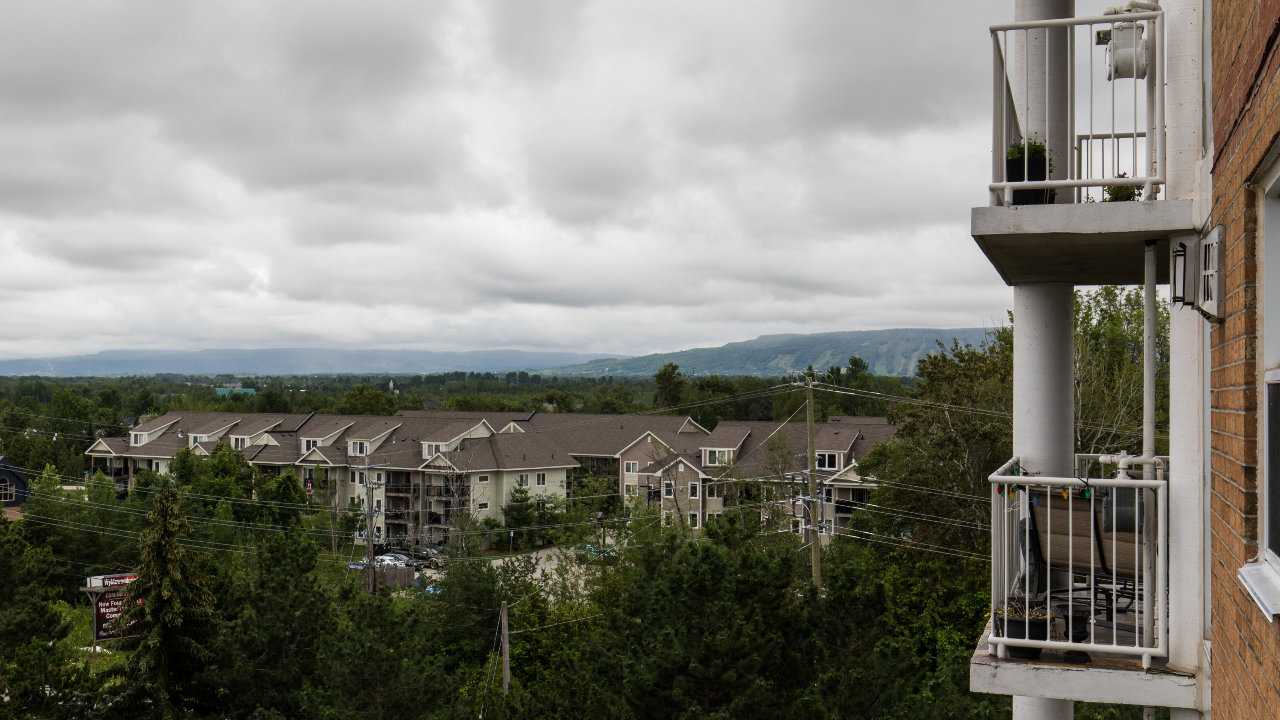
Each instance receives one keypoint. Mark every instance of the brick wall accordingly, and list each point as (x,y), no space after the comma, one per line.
(1246,124)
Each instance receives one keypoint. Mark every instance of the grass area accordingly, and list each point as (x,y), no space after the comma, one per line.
(80,639)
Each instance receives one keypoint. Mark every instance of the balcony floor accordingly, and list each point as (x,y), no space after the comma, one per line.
(1082,243)
(1105,678)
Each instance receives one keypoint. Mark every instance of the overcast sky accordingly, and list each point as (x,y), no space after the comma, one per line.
(614,177)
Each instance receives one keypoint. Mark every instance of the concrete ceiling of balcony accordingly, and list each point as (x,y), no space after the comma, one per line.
(1082,244)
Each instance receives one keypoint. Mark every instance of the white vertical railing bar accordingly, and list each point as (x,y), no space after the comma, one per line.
(1072,168)
(999,95)
(1158,55)
(1133,162)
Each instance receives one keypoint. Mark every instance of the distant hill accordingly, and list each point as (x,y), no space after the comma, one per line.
(288,361)
(888,352)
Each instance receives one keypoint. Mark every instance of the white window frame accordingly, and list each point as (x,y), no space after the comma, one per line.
(632,489)
(482,506)
(631,466)
(482,478)
(668,489)
(717,457)
(359,477)
(358,448)
(309,444)
(693,489)
(430,450)
(540,479)
(136,439)
(693,520)
(827,461)
(239,442)
(522,480)
(8,492)
(711,490)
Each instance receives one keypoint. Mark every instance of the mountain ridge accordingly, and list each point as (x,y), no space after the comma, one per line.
(893,351)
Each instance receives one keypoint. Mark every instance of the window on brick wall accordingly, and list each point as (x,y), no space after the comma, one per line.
(1269,226)
(1262,575)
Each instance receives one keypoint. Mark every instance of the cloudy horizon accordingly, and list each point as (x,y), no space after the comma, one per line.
(621,178)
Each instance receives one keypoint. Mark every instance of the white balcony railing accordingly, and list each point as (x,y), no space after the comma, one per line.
(1113,94)
(1079,563)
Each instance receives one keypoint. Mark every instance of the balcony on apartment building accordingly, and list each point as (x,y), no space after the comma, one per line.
(1079,585)
(1078,151)
(398,483)
(399,511)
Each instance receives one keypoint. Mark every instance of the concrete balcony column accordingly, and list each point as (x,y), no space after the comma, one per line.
(1044,412)
(1040,80)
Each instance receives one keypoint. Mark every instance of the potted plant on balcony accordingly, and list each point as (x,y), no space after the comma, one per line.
(1121,193)
(1028,160)
(1019,620)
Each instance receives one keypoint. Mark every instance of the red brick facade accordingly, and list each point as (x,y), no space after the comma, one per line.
(1246,124)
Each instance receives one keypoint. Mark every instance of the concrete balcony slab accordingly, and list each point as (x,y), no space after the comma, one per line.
(1082,243)
(1102,679)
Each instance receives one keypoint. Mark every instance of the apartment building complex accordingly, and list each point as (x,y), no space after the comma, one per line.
(1149,580)
(422,469)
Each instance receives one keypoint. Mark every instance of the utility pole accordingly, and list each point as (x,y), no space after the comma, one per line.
(506,652)
(815,547)
(370,568)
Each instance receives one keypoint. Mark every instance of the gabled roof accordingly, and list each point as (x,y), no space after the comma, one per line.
(163,421)
(107,446)
(513,451)
(609,435)
(727,435)
(871,431)
(661,465)
(322,426)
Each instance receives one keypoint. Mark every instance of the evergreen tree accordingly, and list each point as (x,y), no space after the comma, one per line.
(38,675)
(170,616)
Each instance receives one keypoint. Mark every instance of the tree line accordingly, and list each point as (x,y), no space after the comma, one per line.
(247,612)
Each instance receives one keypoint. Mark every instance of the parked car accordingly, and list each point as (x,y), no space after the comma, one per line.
(389,559)
(430,557)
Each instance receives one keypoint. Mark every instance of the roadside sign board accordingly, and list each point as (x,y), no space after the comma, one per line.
(107,593)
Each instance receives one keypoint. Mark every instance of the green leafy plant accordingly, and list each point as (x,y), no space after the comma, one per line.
(1121,193)
(1030,148)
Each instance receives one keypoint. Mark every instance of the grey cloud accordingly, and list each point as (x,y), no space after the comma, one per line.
(533,39)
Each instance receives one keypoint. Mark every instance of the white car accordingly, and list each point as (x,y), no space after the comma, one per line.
(392,559)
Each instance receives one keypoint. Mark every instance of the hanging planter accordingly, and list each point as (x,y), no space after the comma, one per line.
(1028,161)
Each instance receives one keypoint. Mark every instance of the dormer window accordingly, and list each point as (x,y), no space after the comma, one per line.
(828,461)
(717,457)
(430,450)
(359,447)
(309,444)
(196,440)
(138,439)
(239,442)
